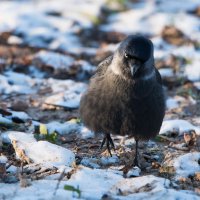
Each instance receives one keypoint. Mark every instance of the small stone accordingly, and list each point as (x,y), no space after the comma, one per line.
(19,105)
(197,190)
(190,138)
(135,172)
(10,179)
(2,170)
(24,182)
(155,165)
(183,179)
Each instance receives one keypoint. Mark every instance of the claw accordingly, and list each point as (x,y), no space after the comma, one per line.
(109,142)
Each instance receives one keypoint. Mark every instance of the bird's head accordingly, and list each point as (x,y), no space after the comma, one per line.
(134,57)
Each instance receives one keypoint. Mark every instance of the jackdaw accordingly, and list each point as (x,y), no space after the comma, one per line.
(125,96)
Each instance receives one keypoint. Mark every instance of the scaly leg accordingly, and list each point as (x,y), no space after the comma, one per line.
(109,142)
(135,161)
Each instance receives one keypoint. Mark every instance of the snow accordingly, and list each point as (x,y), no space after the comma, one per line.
(109,160)
(21,115)
(148,187)
(167,194)
(134,172)
(197,85)
(69,127)
(68,93)
(129,142)
(166,72)
(187,164)
(192,71)
(55,60)
(62,128)
(39,151)
(133,185)
(130,21)
(177,6)
(38,189)
(33,21)
(96,163)
(86,133)
(179,101)
(86,66)
(14,82)
(90,162)
(82,50)
(94,182)
(63,85)
(12,169)
(57,27)
(179,126)
(3,159)
(151,19)
(172,103)
(68,42)
(52,153)
(14,40)
(4,120)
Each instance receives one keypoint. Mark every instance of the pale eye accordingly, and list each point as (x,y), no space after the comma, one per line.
(126,55)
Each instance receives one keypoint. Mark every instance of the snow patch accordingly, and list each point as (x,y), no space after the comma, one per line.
(166,72)
(41,151)
(62,128)
(86,133)
(134,185)
(3,159)
(192,71)
(94,182)
(197,85)
(179,126)
(4,120)
(187,164)
(55,60)
(68,93)
(39,189)
(14,82)
(109,160)
(172,103)
(134,172)
(90,162)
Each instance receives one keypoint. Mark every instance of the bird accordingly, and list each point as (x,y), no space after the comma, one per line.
(125,95)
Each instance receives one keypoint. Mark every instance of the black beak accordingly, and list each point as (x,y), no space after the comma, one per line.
(134,69)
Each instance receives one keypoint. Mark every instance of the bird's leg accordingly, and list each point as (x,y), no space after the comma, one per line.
(128,167)
(135,162)
(107,138)
(110,141)
(103,142)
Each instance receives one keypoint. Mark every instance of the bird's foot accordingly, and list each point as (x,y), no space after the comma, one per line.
(135,162)
(109,143)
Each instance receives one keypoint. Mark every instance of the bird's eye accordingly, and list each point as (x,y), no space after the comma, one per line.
(126,55)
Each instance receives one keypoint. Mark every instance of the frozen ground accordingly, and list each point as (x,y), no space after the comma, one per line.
(48,52)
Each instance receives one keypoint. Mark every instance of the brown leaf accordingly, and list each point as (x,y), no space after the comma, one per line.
(190,138)
(19,105)
(173,35)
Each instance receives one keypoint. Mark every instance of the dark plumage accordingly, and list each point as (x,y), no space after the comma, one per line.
(125,96)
